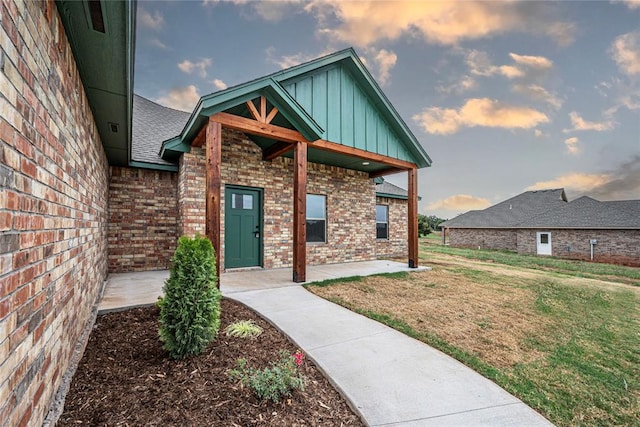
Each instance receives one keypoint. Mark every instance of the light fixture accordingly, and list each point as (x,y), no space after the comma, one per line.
(365,163)
(113,127)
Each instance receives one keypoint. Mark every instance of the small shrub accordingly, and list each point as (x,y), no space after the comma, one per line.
(243,329)
(275,382)
(190,309)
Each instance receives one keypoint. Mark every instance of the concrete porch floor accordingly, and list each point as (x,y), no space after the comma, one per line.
(126,290)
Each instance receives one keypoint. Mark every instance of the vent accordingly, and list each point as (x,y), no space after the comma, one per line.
(95,12)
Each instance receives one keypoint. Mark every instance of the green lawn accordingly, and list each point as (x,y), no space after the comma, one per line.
(575,268)
(568,348)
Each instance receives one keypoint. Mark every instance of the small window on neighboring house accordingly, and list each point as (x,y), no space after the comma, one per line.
(316,218)
(382,222)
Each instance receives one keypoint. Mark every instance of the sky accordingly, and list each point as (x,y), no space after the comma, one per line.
(505,97)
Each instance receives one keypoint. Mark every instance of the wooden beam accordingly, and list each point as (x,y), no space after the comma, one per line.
(198,141)
(253,110)
(276,150)
(257,128)
(384,172)
(321,144)
(412,216)
(212,192)
(300,213)
(263,109)
(271,115)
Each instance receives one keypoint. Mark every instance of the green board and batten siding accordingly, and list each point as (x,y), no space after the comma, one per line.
(338,104)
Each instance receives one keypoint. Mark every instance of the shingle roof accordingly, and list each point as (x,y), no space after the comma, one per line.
(387,188)
(586,212)
(549,209)
(153,124)
(511,212)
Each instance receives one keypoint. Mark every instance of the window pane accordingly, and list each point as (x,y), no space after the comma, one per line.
(315,230)
(316,206)
(247,201)
(381,230)
(236,201)
(381,213)
(544,238)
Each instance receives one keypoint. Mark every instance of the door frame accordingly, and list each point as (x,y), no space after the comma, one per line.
(538,243)
(260,192)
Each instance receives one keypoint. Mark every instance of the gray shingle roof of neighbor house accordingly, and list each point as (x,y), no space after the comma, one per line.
(550,209)
(586,212)
(152,124)
(511,212)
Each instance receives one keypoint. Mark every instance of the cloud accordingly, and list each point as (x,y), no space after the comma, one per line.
(532,61)
(620,183)
(535,91)
(465,84)
(219,84)
(287,61)
(623,182)
(631,4)
(572,145)
(525,66)
(200,67)
(364,23)
(579,123)
(460,202)
(158,43)
(580,182)
(538,133)
(478,112)
(154,21)
(385,61)
(625,51)
(184,98)
(272,11)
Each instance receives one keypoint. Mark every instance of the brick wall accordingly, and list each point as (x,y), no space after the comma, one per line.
(350,194)
(396,245)
(53,209)
(143,217)
(482,238)
(613,246)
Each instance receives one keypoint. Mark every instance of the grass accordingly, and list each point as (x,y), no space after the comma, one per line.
(571,352)
(560,265)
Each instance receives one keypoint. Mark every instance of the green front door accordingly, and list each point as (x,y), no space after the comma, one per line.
(242,227)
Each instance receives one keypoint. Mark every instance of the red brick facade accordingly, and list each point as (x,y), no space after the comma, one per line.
(396,245)
(143,219)
(613,246)
(350,194)
(53,209)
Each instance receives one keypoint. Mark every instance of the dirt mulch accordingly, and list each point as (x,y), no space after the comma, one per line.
(126,378)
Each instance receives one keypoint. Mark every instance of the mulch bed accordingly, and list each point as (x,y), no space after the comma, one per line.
(126,378)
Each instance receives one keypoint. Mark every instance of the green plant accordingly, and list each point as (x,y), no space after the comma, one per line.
(243,329)
(275,382)
(190,309)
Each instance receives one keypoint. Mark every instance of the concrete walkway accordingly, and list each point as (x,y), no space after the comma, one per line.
(389,378)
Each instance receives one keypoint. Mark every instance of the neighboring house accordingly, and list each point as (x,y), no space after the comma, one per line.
(278,172)
(544,223)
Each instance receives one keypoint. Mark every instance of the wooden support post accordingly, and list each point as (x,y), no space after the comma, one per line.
(412,217)
(213,156)
(300,213)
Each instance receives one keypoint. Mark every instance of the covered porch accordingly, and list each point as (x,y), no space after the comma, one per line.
(325,112)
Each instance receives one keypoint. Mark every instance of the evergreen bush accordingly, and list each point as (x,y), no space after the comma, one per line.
(190,308)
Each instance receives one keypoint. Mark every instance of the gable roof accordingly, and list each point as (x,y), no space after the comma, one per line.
(387,189)
(512,211)
(289,91)
(544,209)
(153,123)
(586,212)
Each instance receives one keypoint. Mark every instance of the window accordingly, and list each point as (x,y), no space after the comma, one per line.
(382,222)
(316,218)
(544,238)
(241,201)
